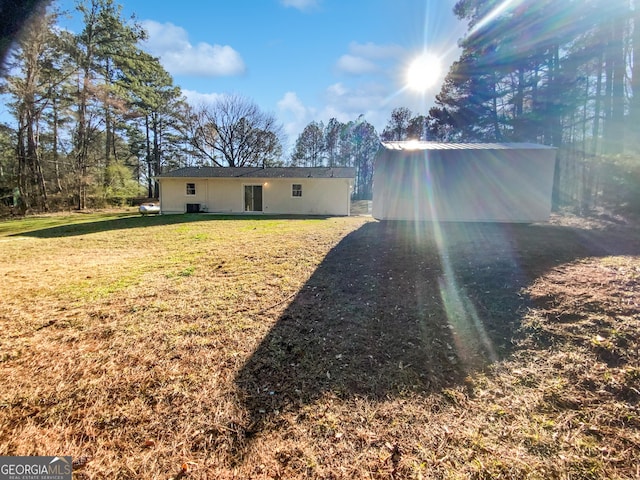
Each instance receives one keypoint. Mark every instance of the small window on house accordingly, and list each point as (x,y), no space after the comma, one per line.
(296,190)
(191,188)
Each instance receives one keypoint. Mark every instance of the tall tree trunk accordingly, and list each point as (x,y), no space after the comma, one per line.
(595,134)
(33,157)
(56,153)
(519,100)
(519,133)
(618,98)
(82,147)
(585,108)
(534,102)
(494,105)
(156,154)
(84,91)
(556,115)
(554,129)
(607,104)
(107,146)
(149,161)
(24,201)
(634,110)
(108,128)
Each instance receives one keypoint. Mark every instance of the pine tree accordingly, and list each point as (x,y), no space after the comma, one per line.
(398,127)
(364,145)
(33,90)
(332,134)
(105,44)
(152,97)
(310,148)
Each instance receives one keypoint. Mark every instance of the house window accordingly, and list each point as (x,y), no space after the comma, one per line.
(191,188)
(296,190)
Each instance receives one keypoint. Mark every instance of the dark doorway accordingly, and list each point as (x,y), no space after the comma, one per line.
(253,198)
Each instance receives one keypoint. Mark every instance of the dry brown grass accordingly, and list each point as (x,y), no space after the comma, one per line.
(206,347)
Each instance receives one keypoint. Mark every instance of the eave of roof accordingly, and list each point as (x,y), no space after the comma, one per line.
(414,145)
(256,172)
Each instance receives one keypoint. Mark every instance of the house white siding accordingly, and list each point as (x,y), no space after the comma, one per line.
(469,183)
(173,194)
(319,196)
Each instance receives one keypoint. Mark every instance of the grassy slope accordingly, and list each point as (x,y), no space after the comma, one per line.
(319,348)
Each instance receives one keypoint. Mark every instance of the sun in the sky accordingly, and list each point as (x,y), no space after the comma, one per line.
(423,72)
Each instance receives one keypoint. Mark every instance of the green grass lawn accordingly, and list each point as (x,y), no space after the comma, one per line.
(204,346)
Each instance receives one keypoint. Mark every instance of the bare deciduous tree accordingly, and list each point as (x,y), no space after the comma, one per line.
(234,132)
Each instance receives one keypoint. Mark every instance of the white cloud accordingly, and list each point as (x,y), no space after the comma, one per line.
(367,58)
(345,103)
(336,89)
(292,104)
(196,98)
(355,65)
(300,4)
(180,57)
(374,51)
(294,115)
(348,103)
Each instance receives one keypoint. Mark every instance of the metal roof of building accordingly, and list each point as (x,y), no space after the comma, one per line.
(414,145)
(257,172)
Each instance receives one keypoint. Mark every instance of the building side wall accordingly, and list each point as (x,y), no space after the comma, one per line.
(320,196)
(173,194)
(464,185)
(226,195)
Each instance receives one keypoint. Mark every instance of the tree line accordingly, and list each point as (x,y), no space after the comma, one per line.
(95,116)
(355,144)
(565,74)
(85,107)
(562,73)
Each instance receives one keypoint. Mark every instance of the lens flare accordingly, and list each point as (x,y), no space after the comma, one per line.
(424,72)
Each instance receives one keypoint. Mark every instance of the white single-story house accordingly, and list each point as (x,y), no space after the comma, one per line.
(468,182)
(282,190)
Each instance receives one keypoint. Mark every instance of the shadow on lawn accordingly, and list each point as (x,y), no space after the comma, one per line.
(398,307)
(139,221)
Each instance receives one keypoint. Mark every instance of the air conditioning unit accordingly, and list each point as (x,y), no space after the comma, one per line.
(193,208)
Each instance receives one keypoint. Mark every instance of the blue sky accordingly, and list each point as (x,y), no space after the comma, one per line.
(301,60)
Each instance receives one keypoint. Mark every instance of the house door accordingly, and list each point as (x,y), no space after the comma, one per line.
(253,198)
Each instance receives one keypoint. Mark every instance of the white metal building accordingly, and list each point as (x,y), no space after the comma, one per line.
(469,182)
